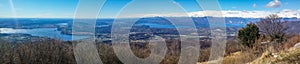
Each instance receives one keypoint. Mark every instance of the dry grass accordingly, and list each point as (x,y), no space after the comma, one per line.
(239,58)
(291,42)
(291,56)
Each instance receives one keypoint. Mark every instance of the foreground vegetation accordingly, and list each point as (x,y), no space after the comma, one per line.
(59,52)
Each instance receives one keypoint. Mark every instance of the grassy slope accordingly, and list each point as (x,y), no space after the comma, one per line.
(292,56)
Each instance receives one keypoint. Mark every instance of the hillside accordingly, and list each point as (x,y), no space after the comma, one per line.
(292,56)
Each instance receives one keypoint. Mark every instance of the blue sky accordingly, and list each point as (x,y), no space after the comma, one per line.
(66,8)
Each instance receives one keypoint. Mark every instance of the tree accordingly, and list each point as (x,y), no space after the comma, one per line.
(249,34)
(273,27)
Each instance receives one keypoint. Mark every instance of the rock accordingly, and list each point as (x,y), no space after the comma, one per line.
(275,55)
(297,45)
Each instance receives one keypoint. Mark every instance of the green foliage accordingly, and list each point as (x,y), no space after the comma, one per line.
(249,34)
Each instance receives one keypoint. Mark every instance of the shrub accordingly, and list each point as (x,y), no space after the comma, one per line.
(249,34)
(273,27)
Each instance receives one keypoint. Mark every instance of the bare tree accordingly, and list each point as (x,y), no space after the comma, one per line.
(274,27)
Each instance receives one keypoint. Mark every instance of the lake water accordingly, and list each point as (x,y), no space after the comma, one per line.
(43,32)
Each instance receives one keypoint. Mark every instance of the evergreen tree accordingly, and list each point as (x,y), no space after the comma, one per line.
(248,34)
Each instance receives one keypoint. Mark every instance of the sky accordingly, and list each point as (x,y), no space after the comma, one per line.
(111,8)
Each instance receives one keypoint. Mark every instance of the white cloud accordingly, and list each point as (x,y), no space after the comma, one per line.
(251,14)
(273,4)
(230,13)
(286,13)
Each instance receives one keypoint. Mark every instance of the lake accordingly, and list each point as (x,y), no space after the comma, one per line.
(42,32)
